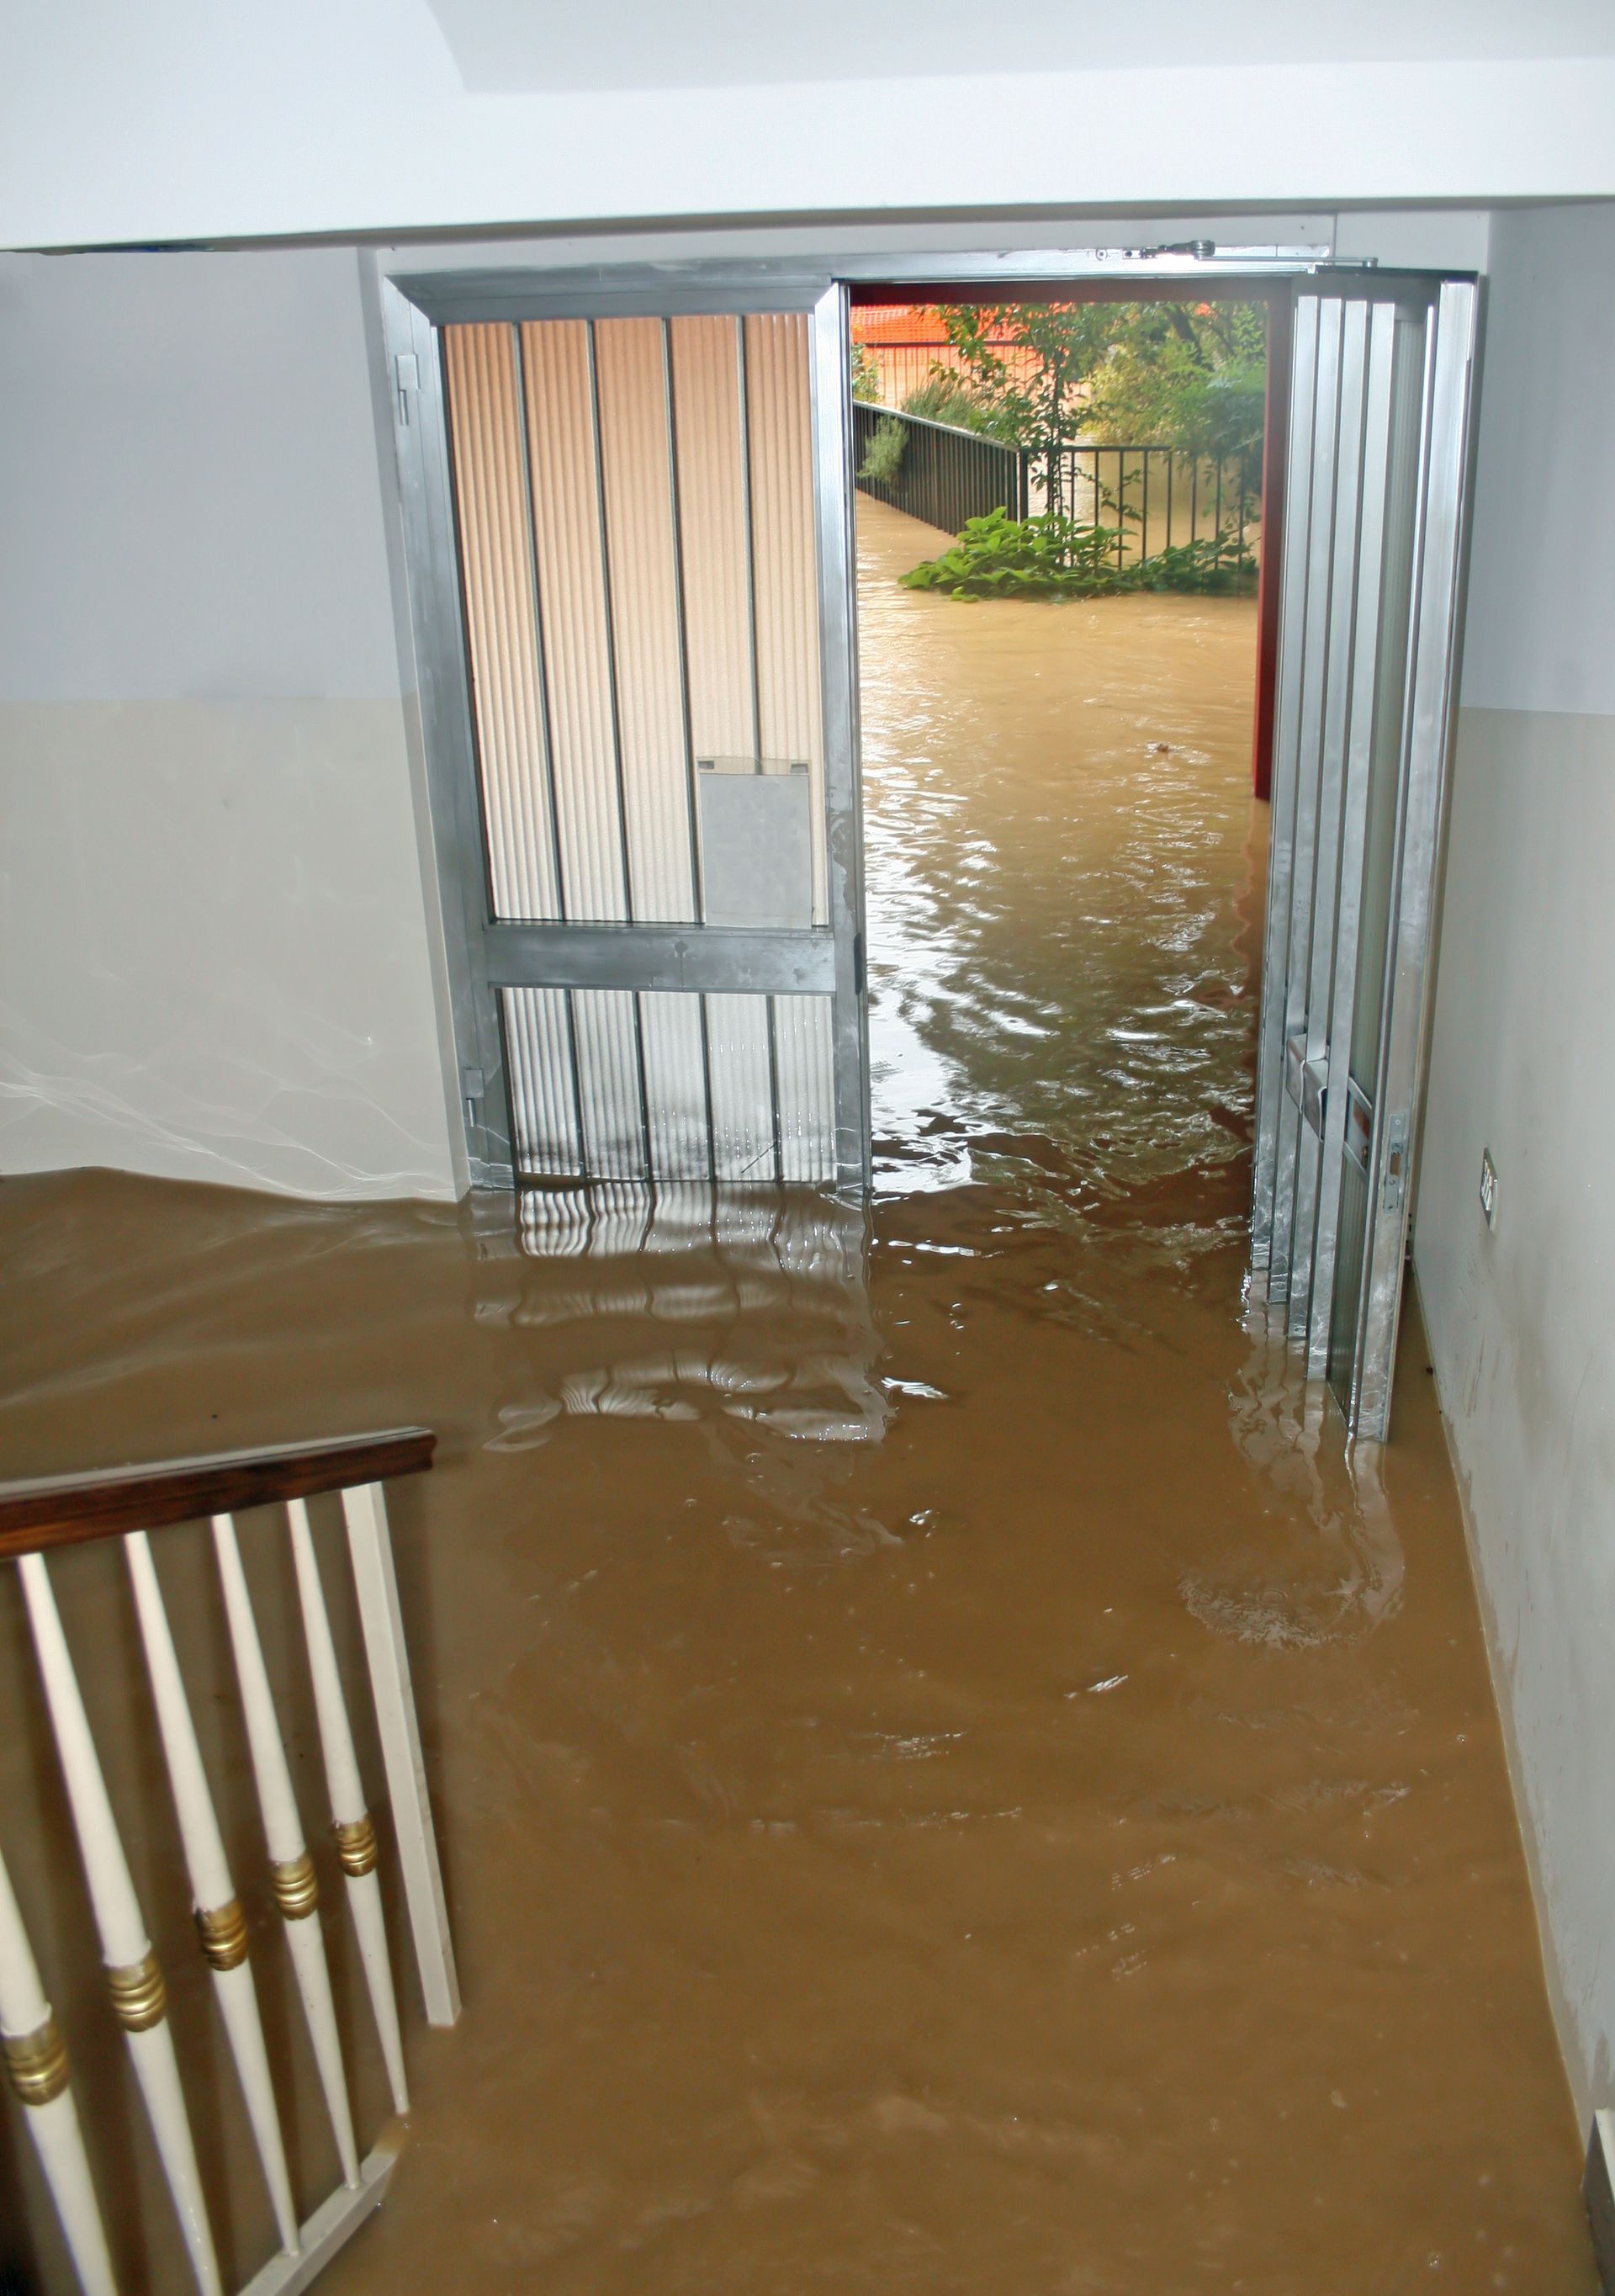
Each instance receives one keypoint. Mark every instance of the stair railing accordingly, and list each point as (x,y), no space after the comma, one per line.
(129,1504)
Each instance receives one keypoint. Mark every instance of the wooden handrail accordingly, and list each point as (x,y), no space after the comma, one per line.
(66,1510)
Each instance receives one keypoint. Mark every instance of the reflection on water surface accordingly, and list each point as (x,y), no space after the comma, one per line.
(1065,879)
(1062,1845)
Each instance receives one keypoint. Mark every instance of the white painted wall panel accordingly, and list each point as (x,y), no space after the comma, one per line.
(1518,1318)
(1542,586)
(188,481)
(214,950)
(212,959)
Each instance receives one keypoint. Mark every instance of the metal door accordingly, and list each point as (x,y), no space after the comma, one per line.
(1379,424)
(627,522)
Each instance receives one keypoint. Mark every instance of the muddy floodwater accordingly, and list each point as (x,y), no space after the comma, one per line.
(948,1781)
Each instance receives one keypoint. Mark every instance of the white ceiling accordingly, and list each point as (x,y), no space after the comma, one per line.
(186,119)
(526,45)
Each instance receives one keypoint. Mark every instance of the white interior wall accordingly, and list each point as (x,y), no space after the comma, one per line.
(214,959)
(1519,1319)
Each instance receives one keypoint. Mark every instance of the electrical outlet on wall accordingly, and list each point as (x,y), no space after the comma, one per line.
(1488,1188)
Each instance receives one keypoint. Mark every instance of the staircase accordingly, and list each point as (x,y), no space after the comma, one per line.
(180,1743)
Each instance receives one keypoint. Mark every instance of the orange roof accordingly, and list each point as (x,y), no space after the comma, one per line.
(899,322)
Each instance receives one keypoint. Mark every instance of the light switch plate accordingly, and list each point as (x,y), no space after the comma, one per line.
(1488,1188)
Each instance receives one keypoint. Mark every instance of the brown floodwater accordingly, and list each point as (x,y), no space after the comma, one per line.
(949,1778)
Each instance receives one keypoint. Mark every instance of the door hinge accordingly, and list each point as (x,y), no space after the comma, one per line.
(858,981)
(1295,1062)
(1395,1184)
(407,380)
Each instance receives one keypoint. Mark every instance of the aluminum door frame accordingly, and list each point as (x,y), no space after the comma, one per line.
(1445,449)
(1331,1043)
(1296,1270)
(486,955)
(1344,656)
(1281,815)
(1302,762)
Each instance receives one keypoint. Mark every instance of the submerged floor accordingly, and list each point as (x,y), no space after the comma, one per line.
(1061,1846)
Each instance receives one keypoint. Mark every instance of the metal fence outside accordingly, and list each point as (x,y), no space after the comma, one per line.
(944,475)
(1155,497)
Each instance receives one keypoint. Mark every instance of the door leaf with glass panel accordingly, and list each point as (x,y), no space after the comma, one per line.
(1378,419)
(629,511)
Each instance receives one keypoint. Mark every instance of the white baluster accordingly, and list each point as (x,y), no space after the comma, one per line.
(350,1821)
(36,2062)
(371,1547)
(134,1978)
(220,1918)
(292,1869)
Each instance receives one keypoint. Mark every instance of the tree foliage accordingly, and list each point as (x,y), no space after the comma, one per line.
(1190,375)
(1045,376)
(1033,396)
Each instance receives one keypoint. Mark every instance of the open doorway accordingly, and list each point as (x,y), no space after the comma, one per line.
(1062,521)
(629,514)
(1096,949)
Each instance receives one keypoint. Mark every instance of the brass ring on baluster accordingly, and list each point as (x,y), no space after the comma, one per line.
(139,1997)
(223,1932)
(356,1843)
(36,2062)
(296,1889)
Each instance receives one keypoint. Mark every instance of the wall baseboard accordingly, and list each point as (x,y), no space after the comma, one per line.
(1598,2191)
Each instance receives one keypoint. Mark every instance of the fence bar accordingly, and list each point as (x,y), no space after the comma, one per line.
(945,476)
(36,2063)
(375,1582)
(350,1821)
(291,1868)
(139,2000)
(220,1923)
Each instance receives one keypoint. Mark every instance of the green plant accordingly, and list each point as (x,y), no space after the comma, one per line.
(884,455)
(1053,557)
(865,373)
(945,398)
(1213,565)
